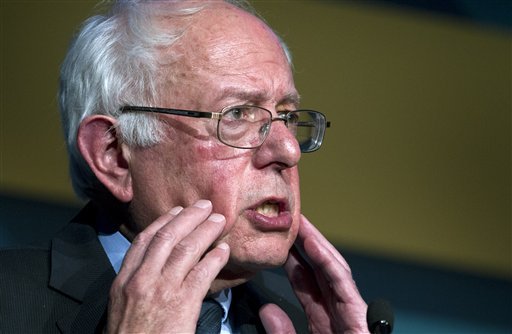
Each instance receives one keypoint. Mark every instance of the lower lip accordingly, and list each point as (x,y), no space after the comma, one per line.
(282,222)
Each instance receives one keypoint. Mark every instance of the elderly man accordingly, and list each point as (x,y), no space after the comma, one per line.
(184,132)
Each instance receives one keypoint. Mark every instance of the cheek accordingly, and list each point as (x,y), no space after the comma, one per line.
(220,173)
(223,165)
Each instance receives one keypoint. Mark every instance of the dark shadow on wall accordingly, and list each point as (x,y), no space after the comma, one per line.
(490,13)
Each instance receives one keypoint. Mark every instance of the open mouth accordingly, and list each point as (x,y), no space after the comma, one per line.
(269,209)
(270,215)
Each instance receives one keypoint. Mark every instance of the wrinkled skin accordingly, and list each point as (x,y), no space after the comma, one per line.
(206,216)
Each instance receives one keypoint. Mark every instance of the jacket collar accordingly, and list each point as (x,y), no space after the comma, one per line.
(81,270)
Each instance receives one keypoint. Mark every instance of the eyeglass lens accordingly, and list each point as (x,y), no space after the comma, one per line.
(248,126)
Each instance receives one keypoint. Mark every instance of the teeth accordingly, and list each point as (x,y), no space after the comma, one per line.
(268,209)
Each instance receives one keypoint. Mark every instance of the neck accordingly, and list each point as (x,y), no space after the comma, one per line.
(229,278)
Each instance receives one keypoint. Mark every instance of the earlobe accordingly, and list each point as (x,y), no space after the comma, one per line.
(106,156)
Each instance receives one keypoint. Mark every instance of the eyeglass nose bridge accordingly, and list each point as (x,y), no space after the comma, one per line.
(282,117)
(265,129)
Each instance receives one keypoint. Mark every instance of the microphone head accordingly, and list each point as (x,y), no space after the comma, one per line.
(379,317)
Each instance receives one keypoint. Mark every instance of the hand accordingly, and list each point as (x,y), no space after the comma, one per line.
(167,272)
(322,281)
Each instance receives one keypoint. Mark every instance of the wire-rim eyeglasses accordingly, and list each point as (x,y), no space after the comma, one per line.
(247,126)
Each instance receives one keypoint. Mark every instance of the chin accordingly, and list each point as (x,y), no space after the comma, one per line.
(260,251)
(257,262)
(240,270)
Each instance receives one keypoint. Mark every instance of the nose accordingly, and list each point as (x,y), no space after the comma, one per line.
(280,148)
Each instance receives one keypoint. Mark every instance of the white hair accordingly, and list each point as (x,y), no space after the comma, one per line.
(111,63)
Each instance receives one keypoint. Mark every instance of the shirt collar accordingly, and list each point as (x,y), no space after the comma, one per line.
(224,299)
(116,246)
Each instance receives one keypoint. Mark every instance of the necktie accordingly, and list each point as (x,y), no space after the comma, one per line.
(210,318)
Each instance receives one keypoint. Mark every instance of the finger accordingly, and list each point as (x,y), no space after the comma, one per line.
(324,289)
(338,288)
(308,231)
(138,247)
(275,320)
(301,277)
(201,276)
(186,254)
(327,273)
(331,277)
(169,235)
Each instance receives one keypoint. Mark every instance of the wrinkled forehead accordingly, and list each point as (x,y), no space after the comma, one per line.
(223,37)
(223,53)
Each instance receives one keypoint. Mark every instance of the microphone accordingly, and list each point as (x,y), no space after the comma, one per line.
(379,317)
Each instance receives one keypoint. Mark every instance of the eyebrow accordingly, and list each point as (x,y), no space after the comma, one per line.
(257,96)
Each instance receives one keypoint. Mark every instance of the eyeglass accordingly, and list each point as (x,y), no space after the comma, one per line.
(248,126)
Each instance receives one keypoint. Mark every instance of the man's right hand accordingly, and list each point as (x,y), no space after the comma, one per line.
(167,272)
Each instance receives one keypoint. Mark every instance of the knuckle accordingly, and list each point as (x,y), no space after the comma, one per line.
(135,288)
(165,235)
(116,289)
(199,275)
(141,239)
(186,248)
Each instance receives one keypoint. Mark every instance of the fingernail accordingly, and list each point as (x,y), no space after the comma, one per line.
(203,204)
(176,210)
(223,245)
(217,218)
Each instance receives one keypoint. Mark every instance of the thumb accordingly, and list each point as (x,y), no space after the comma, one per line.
(275,320)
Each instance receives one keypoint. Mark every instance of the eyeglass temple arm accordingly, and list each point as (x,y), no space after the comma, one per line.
(179,112)
(312,124)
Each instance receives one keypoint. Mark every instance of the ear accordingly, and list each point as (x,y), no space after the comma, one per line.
(106,156)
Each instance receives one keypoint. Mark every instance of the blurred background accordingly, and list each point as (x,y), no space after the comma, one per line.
(413,183)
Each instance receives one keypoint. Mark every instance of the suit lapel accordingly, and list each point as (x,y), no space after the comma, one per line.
(81,270)
(244,310)
(266,287)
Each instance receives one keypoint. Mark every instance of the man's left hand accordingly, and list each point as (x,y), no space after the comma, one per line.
(322,281)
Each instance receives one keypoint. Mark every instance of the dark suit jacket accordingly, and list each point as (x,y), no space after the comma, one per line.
(63,287)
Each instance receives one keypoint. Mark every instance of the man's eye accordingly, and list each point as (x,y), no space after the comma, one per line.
(240,114)
(293,118)
(237,113)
